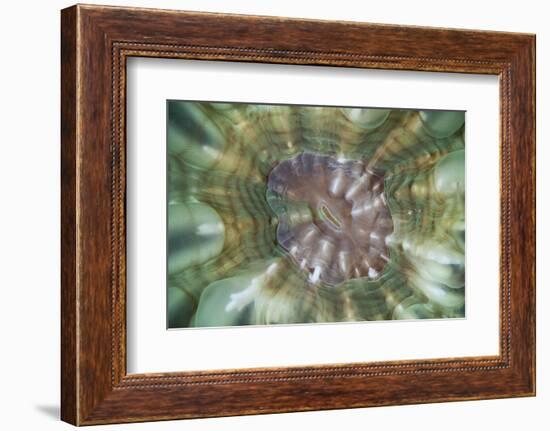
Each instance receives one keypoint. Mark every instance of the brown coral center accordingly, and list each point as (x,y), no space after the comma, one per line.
(333,217)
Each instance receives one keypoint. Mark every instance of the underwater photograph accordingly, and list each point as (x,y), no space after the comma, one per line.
(291,214)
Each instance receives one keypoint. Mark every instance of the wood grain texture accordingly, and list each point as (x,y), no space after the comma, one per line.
(96,41)
(68,218)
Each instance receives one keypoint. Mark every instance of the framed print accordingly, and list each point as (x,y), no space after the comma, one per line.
(310,225)
(330,222)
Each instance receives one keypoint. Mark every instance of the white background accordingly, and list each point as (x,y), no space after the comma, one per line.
(29,228)
(151,348)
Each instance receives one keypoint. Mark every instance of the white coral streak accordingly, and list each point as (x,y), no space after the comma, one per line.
(314,277)
(336,183)
(210,228)
(354,188)
(241,299)
(212,152)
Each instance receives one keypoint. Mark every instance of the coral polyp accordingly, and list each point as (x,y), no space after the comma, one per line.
(281,214)
(333,219)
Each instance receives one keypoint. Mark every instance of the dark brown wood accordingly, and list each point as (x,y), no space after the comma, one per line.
(96,41)
(69,367)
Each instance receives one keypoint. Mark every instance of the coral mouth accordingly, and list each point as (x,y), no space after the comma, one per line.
(333,218)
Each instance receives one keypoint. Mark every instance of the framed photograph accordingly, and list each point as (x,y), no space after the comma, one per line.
(264,215)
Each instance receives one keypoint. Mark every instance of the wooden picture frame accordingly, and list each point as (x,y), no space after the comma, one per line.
(96,41)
